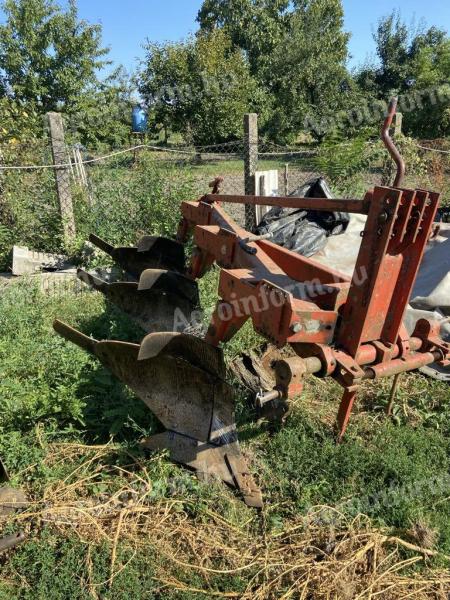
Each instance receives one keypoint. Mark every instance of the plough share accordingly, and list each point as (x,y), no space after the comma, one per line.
(348,329)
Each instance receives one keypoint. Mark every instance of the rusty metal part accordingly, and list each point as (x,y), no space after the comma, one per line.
(11,541)
(368,354)
(291,371)
(151,252)
(386,267)
(388,142)
(323,353)
(181,380)
(289,374)
(287,303)
(428,331)
(402,365)
(319,204)
(244,244)
(393,394)
(263,398)
(215,185)
(210,461)
(161,301)
(272,406)
(170,282)
(292,300)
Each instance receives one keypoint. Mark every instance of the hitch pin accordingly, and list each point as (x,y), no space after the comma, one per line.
(263,398)
(244,244)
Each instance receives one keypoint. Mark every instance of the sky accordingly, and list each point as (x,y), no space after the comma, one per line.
(126,25)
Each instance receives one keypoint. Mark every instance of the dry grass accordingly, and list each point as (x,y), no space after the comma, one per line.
(302,559)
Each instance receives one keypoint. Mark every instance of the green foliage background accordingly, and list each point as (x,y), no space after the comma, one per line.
(288,62)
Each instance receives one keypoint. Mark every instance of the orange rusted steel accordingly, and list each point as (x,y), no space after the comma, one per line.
(393,151)
(401,365)
(294,300)
(394,241)
(321,204)
(368,353)
(301,307)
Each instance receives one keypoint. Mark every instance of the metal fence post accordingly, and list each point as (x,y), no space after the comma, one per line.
(250,164)
(62,176)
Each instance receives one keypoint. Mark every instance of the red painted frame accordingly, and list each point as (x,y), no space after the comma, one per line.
(347,323)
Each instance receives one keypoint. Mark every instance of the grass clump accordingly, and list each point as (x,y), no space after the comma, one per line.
(126,199)
(106,519)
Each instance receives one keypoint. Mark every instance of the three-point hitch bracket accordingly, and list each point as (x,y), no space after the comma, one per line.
(349,329)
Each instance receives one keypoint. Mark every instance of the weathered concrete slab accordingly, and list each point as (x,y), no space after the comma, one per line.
(26,262)
(60,282)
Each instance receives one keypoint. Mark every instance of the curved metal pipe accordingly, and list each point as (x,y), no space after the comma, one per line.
(392,149)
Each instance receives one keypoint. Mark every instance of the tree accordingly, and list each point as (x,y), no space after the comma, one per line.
(427,114)
(392,43)
(414,64)
(201,87)
(309,75)
(19,123)
(164,82)
(254,26)
(47,55)
(102,115)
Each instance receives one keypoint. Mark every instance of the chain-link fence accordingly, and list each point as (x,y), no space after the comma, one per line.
(29,207)
(115,191)
(128,192)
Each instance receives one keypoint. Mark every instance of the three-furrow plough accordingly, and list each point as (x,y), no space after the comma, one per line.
(350,329)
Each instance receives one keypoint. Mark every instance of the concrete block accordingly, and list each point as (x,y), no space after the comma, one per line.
(26,262)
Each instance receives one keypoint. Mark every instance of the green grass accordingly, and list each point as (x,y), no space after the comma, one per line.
(51,392)
(53,396)
(56,568)
(127,200)
(214,168)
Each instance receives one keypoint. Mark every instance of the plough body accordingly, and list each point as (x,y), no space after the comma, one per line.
(350,329)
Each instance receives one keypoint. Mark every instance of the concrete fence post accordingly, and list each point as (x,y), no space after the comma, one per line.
(62,176)
(250,165)
(398,124)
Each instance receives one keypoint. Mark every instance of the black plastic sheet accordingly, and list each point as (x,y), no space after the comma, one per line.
(304,231)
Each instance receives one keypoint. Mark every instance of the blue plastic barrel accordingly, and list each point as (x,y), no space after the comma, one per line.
(139,120)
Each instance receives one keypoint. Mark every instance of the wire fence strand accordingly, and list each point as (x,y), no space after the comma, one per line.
(30,213)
